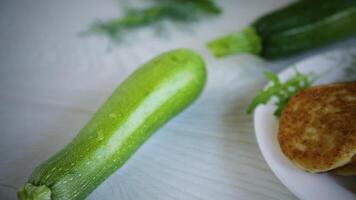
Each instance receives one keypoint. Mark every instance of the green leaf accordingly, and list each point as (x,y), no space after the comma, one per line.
(272,77)
(282,91)
(172,10)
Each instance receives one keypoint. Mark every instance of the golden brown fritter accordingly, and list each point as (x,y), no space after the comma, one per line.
(317,129)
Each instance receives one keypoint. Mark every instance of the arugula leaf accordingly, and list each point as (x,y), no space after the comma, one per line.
(174,10)
(281,91)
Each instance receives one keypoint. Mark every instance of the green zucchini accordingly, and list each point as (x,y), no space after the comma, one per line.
(152,95)
(301,26)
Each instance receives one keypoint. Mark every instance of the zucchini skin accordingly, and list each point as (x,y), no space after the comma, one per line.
(300,13)
(152,95)
(305,25)
(301,26)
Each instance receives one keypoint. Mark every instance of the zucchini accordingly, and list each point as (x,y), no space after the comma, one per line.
(152,95)
(301,26)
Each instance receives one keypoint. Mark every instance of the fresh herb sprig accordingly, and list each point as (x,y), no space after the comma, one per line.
(281,91)
(173,10)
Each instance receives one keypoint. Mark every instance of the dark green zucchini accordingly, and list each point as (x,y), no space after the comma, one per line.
(152,95)
(301,26)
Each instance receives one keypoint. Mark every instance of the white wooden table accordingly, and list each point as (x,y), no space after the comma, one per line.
(52,80)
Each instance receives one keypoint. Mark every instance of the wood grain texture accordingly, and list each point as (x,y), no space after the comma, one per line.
(52,81)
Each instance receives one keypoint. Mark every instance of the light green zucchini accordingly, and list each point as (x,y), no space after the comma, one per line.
(152,95)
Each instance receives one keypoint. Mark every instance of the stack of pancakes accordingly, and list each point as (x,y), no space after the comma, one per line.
(317,129)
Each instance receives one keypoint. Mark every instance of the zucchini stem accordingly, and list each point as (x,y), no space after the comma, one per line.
(31,192)
(246,41)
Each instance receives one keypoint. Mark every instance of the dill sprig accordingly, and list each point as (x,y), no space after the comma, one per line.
(173,10)
(281,91)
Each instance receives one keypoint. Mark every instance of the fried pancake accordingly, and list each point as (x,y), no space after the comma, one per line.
(347,170)
(317,129)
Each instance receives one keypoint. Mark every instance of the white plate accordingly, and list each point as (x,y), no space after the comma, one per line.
(332,67)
